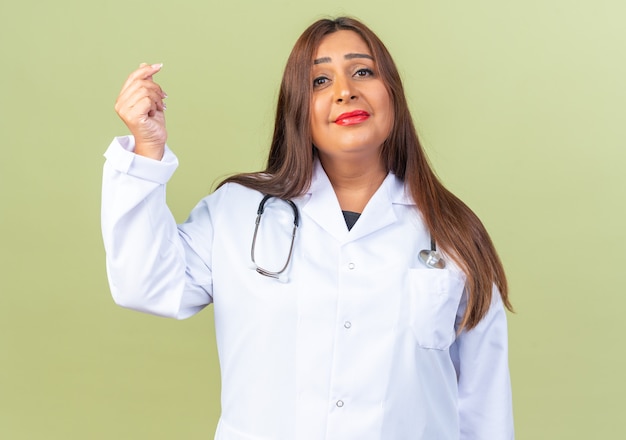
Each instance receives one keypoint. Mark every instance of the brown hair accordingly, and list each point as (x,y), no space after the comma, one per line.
(454,226)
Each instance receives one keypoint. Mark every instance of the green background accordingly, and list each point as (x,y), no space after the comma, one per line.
(520,105)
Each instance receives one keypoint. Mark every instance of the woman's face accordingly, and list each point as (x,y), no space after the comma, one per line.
(351,110)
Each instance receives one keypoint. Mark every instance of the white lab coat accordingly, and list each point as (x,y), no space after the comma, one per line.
(360,341)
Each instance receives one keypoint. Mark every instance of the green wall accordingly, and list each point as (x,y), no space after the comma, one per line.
(520,105)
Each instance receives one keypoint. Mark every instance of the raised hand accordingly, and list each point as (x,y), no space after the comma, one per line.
(140,105)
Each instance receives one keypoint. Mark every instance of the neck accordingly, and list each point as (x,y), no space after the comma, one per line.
(354,182)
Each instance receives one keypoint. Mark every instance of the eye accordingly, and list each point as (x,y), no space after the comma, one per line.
(319,81)
(364,72)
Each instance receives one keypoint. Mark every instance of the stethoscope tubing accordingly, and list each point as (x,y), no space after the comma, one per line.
(430,257)
(296,223)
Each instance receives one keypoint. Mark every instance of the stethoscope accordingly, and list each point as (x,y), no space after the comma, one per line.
(430,257)
(279,274)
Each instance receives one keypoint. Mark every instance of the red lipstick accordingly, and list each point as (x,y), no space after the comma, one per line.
(352,118)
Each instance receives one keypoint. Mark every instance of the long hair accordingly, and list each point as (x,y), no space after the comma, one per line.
(456,229)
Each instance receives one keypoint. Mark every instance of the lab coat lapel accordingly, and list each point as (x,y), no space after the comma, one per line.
(379,211)
(323,207)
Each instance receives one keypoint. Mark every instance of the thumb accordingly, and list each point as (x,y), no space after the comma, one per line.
(145,65)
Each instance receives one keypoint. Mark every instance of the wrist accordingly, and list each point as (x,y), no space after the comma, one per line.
(150,151)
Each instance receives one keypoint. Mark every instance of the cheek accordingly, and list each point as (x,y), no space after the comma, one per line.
(318,110)
(318,118)
(387,106)
(391,119)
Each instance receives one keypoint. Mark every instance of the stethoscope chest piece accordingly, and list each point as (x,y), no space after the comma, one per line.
(432,258)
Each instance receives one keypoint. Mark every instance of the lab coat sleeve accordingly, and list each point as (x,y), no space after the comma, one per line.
(480,356)
(152,266)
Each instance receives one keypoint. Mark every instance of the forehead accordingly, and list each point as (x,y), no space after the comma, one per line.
(340,43)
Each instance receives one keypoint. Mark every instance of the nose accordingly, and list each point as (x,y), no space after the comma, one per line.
(343,89)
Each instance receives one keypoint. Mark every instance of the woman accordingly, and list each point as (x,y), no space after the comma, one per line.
(335,316)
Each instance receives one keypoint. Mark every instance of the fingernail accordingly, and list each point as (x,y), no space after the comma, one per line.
(157,66)
(164,106)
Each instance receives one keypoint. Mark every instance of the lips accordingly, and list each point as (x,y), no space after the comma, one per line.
(352,118)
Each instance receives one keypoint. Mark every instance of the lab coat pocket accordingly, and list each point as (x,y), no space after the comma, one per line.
(434,297)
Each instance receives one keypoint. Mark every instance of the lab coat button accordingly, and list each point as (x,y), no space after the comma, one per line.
(347,324)
(339,403)
(351,266)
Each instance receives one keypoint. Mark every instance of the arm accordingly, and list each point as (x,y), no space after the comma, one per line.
(480,356)
(151,267)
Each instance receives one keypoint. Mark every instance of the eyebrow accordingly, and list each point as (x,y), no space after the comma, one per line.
(348,56)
